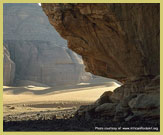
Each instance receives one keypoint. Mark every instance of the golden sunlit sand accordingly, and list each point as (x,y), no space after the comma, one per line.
(81,92)
(34,98)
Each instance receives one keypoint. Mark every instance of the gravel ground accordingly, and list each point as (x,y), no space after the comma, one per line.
(64,120)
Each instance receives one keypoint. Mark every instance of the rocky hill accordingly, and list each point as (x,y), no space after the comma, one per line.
(120,41)
(37,50)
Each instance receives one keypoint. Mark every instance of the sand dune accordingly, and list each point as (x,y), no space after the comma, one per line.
(89,91)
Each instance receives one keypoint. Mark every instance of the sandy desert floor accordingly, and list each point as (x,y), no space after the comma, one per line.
(33,108)
(33,99)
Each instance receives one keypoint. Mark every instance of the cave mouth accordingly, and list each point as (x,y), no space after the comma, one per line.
(44,81)
(113,43)
(109,46)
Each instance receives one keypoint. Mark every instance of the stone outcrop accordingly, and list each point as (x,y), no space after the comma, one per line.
(120,41)
(38,51)
(8,68)
(123,105)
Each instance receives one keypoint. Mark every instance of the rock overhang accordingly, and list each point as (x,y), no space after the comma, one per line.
(113,42)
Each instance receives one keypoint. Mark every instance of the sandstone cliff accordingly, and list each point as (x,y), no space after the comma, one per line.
(8,68)
(120,41)
(39,53)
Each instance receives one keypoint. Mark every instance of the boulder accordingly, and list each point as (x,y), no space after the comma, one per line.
(104,98)
(131,88)
(121,112)
(84,109)
(153,86)
(145,102)
(106,108)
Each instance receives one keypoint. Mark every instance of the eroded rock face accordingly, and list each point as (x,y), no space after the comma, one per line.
(46,63)
(125,105)
(38,51)
(8,68)
(120,41)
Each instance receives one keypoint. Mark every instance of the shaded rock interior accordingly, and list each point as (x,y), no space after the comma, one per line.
(127,103)
(119,41)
